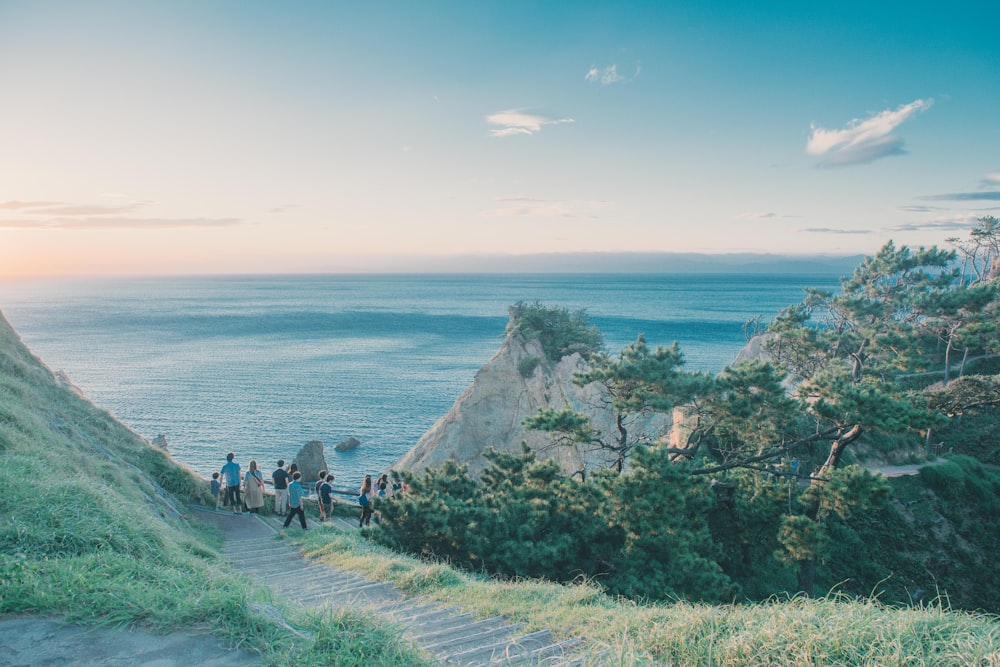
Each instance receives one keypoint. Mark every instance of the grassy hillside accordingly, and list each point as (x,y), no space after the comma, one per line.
(93,528)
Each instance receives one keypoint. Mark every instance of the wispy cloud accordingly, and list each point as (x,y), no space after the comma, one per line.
(863,141)
(116,223)
(524,207)
(992,180)
(15,205)
(831,230)
(85,209)
(609,75)
(988,195)
(16,214)
(515,122)
(918,209)
(765,215)
(948,223)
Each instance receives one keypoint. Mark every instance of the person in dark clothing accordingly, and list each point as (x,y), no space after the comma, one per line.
(280,478)
(325,497)
(295,494)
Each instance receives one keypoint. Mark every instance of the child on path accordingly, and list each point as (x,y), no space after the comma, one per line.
(216,487)
(295,501)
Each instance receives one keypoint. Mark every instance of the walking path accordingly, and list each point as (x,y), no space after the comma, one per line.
(448,633)
(31,641)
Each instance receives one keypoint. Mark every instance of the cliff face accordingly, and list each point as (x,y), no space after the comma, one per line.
(491,411)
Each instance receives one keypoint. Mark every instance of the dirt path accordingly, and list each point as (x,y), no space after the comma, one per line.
(44,642)
(904,470)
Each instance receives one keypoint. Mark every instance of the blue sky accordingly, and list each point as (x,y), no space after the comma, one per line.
(172,137)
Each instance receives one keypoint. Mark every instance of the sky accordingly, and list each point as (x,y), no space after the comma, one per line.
(239,136)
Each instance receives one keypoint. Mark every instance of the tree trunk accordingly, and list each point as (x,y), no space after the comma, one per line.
(947,362)
(807,568)
(837,449)
(807,576)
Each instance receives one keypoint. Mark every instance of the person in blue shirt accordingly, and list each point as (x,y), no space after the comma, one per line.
(231,473)
(295,494)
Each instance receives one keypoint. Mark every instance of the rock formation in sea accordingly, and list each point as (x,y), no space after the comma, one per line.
(310,460)
(491,411)
(347,445)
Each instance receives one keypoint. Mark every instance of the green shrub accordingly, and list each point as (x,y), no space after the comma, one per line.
(559,331)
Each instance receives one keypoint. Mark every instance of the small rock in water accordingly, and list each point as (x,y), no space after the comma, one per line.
(347,445)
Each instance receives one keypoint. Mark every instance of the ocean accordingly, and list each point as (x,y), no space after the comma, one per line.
(259,365)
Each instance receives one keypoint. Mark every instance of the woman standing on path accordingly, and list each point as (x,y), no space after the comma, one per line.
(365,500)
(254,487)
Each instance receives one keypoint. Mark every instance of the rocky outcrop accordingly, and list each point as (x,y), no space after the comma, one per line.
(310,460)
(516,383)
(347,445)
(754,350)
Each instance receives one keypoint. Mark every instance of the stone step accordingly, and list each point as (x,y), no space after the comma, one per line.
(446,632)
(273,556)
(290,570)
(408,606)
(362,598)
(373,590)
(372,595)
(457,630)
(471,639)
(428,614)
(325,584)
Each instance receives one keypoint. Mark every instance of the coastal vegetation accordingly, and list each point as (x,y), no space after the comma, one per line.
(763,487)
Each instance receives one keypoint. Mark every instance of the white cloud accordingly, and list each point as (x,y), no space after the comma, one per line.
(515,121)
(863,141)
(609,75)
(992,179)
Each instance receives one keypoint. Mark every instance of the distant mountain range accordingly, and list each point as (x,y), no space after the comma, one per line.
(638,262)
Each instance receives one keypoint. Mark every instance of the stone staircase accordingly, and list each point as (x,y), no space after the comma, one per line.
(448,633)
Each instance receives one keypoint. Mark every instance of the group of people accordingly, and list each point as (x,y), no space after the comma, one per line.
(232,488)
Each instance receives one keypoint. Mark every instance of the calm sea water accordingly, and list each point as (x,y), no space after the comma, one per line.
(261,365)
